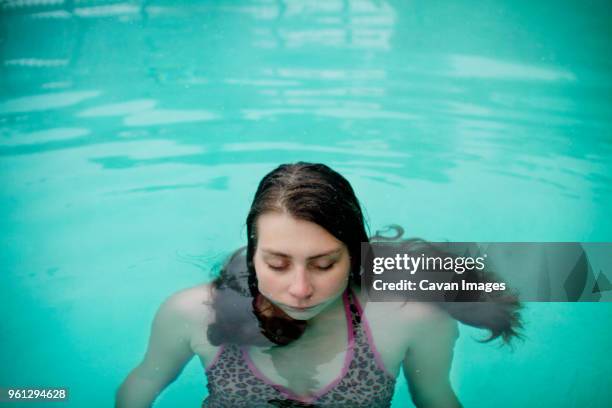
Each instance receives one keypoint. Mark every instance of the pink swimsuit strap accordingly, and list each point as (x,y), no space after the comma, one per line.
(234,380)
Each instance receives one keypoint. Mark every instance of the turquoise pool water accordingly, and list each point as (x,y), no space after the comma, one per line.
(132,136)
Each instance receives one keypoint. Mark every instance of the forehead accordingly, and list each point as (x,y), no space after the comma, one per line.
(283,233)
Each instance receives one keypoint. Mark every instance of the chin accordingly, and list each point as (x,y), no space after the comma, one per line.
(301,315)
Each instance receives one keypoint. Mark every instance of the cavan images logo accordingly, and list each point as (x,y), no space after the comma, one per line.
(466,271)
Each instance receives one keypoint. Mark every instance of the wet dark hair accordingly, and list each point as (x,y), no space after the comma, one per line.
(309,192)
(316,193)
(495,311)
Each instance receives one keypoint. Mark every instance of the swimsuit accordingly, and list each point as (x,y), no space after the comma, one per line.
(235,382)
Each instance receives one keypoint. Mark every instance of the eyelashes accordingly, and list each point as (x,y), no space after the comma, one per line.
(325,267)
(281,268)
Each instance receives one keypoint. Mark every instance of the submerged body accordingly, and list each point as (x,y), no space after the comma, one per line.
(240,376)
(418,336)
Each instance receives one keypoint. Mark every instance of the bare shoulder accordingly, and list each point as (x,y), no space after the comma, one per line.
(421,313)
(179,317)
(411,313)
(399,327)
(425,321)
(408,313)
(192,306)
(411,321)
(189,312)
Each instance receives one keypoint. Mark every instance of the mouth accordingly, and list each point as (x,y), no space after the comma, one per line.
(300,309)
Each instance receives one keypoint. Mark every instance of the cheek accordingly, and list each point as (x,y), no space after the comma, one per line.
(338,279)
(265,280)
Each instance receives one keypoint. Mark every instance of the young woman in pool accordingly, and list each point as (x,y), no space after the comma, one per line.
(287,325)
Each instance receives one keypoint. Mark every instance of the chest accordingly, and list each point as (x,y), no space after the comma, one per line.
(322,358)
(305,367)
(236,381)
(352,358)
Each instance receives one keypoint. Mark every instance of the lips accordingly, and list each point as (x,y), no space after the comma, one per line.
(300,309)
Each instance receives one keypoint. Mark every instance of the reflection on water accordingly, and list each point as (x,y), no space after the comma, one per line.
(267,81)
(44,136)
(120,109)
(142,127)
(42,102)
(480,67)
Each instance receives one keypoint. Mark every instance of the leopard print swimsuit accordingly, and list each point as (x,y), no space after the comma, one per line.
(235,382)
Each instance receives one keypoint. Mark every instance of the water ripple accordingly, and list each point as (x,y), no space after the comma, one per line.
(44,102)
(168,116)
(470,66)
(44,136)
(120,109)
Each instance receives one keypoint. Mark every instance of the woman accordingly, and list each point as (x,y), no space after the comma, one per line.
(286,324)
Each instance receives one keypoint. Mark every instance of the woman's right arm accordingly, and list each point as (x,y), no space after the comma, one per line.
(168,351)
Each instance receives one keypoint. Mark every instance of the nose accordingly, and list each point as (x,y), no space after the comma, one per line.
(301,287)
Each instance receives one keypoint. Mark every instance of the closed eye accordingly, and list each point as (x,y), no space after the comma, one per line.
(325,267)
(277,267)
(318,267)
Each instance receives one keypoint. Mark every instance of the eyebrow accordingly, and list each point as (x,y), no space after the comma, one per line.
(281,254)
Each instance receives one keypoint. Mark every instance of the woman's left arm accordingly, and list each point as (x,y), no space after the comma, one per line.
(428,359)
